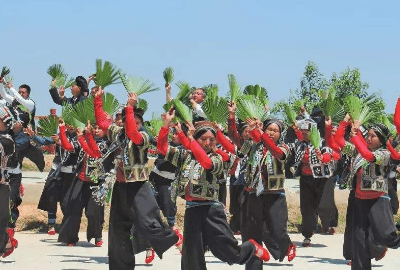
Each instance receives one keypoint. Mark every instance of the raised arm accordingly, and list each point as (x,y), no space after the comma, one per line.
(28,103)
(101,117)
(8,98)
(64,142)
(361,147)
(130,124)
(396,116)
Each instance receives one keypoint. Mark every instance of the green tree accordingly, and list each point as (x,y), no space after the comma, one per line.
(349,83)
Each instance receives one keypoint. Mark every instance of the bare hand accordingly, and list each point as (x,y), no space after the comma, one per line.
(61,123)
(53,82)
(132,99)
(347,117)
(99,92)
(88,127)
(167,118)
(251,122)
(79,132)
(328,122)
(61,91)
(29,131)
(1,79)
(9,85)
(319,154)
(178,127)
(168,88)
(231,107)
(54,138)
(191,130)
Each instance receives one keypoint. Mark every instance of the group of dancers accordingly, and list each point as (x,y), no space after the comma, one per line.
(109,160)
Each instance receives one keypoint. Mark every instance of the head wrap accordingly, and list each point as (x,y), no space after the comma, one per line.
(202,127)
(306,123)
(276,121)
(382,132)
(7,116)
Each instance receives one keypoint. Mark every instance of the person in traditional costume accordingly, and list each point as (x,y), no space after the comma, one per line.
(205,220)
(79,92)
(132,204)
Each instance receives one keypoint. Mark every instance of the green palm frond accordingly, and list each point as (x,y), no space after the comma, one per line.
(182,111)
(214,107)
(68,114)
(234,88)
(332,107)
(384,119)
(315,137)
(184,91)
(154,125)
(168,75)
(110,103)
(143,104)
(7,78)
(258,92)
(4,72)
(137,85)
(297,104)
(359,110)
(106,74)
(48,126)
(56,71)
(84,111)
(69,83)
(289,113)
(250,108)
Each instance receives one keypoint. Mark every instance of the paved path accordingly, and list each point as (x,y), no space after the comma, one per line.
(41,251)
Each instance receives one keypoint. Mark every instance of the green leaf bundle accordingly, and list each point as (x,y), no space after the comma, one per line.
(69,83)
(182,111)
(137,85)
(184,91)
(56,71)
(357,111)
(48,126)
(106,74)
(68,114)
(315,137)
(7,78)
(234,88)
(154,125)
(214,107)
(84,111)
(258,92)
(331,107)
(168,75)
(289,113)
(385,120)
(110,103)
(4,72)
(250,108)
(143,104)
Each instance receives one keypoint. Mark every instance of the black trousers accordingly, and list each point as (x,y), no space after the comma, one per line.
(4,215)
(164,201)
(392,192)
(375,249)
(15,198)
(55,190)
(208,223)
(316,199)
(372,220)
(133,204)
(243,215)
(270,210)
(222,193)
(234,206)
(79,197)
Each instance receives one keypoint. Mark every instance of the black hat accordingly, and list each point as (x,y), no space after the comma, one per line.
(81,82)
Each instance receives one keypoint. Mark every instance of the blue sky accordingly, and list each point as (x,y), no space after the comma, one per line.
(261,42)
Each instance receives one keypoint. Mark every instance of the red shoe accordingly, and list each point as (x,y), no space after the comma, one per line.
(21,190)
(98,243)
(180,241)
(261,252)
(12,243)
(383,255)
(51,230)
(291,253)
(71,244)
(150,255)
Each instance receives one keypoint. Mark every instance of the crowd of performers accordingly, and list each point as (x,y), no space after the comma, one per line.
(195,159)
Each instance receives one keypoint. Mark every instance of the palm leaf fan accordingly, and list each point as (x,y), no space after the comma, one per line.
(315,137)
(61,79)
(110,103)
(143,104)
(168,75)
(297,104)
(137,85)
(84,111)
(68,113)
(258,92)
(106,74)
(55,71)
(250,108)
(4,71)
(184,91)
(249,90)
(7,78)
(182,111)
(154,125)
(234,88)
(374,102)
(289,113)
(353,106)
(214,107)
(69,83)
(48,126)
(331,107)
(385,120)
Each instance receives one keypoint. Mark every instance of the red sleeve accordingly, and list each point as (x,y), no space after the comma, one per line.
(339,136)
(85,146)
(233,133)
(130,126)
(223,154)
(393,153)
(299,135)
(225,143)
(359,134)
(275,150)
(396,116)
(326,158)
(184,140)
(101,117)
(201,156)
(359,143)
(336,156)
(93,145)
(255,133)
(64,142)
(330,140)
(162,143)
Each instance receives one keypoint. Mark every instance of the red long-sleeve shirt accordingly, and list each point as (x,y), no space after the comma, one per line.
(225,143)
(268,142)
(64,142)
(393,153)
(130,126)
(396,116)
(102,119)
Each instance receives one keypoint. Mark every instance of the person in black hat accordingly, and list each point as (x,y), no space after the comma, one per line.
(79,92)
